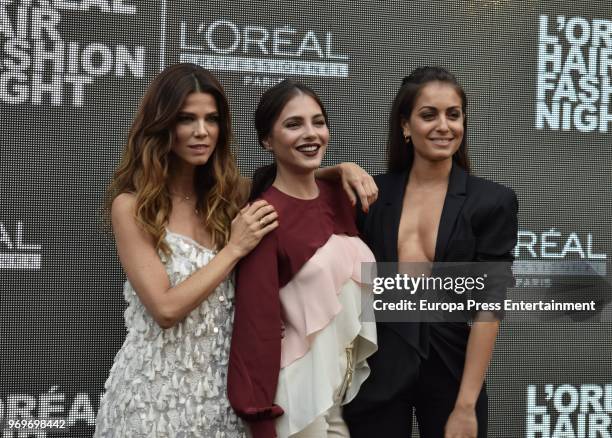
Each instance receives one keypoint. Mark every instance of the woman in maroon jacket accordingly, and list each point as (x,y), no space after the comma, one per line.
(303,279)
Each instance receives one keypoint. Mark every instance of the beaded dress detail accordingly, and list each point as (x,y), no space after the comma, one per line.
(172,382)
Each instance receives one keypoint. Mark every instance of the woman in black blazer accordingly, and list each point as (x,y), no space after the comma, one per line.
(431,209)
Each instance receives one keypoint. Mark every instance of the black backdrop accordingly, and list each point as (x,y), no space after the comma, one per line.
(72,73)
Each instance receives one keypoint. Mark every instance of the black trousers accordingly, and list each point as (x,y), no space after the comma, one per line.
(401,381)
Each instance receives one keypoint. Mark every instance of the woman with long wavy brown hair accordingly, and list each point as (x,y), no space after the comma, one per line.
(176,207)
(174,204)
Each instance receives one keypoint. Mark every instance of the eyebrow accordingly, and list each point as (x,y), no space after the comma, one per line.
(434,108)
(187,113)
(301,118)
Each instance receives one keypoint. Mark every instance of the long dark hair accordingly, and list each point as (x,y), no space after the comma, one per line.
(271,104)
(400,153)
(145,164)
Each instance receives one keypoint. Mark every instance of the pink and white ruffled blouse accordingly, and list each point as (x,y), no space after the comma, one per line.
(306,276)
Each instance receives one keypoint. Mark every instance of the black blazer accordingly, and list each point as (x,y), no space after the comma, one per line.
(478,223)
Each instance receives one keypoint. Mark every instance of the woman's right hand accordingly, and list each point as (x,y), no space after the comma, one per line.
(250,225)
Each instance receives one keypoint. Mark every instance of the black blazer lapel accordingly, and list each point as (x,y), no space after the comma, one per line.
(455,197)
(393,211)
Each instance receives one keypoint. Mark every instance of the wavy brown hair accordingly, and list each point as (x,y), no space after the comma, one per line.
(400,153)
(145,164)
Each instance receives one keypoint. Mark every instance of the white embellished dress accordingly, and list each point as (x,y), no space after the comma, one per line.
(172,382)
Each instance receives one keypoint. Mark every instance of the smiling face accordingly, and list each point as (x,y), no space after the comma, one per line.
(197,129)
(299,135)
(436,122)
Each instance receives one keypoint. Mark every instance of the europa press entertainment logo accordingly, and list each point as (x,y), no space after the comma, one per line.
(285,49)
(16,252)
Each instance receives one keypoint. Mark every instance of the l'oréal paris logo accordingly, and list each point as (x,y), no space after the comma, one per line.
(284,49)
(551,253)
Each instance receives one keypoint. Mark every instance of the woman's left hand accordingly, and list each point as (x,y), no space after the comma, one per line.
(355,180)
(462,423)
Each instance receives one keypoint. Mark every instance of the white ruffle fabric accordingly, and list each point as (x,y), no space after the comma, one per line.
(172,382)
(322,308)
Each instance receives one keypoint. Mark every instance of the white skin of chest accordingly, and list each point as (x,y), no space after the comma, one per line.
(185,221)
(419,222)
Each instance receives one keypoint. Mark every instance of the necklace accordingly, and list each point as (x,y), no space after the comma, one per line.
(183,197)
(186,198)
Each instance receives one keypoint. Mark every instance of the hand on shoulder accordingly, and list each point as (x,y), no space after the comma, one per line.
(250,225)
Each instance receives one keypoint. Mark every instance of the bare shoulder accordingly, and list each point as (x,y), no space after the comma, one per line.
(124,206)
(123,217)
(125,225)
